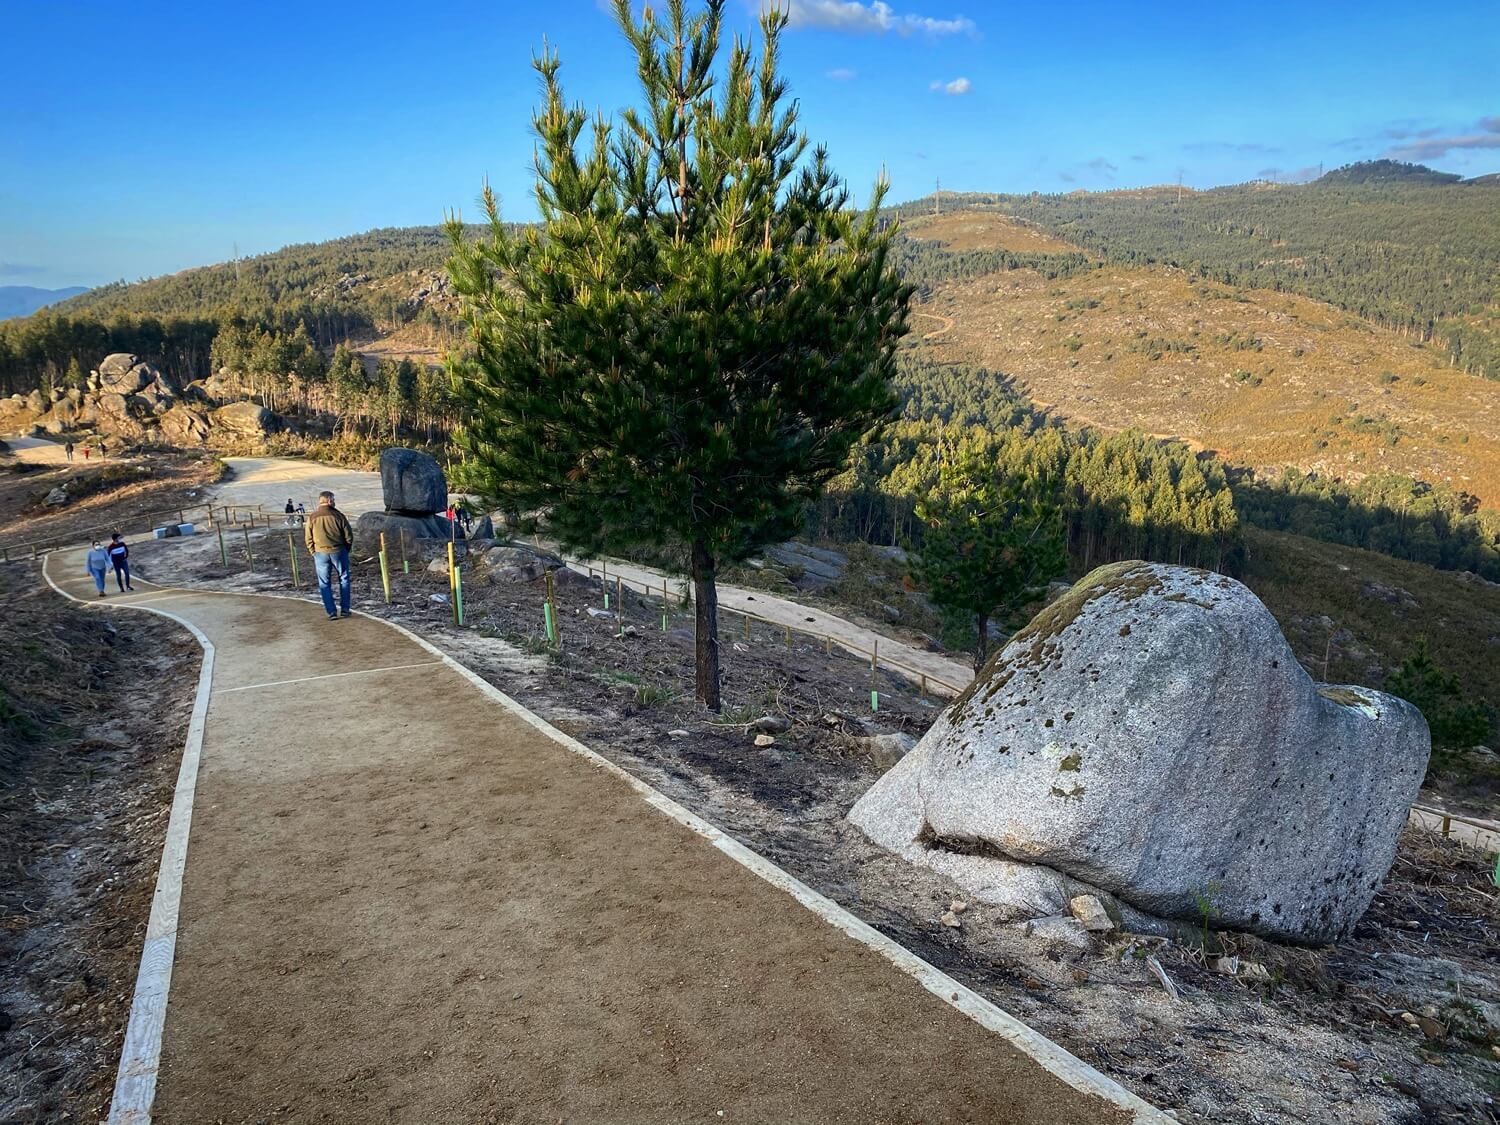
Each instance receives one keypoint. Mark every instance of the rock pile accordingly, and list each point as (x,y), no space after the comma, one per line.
(1149,739)
(128,398)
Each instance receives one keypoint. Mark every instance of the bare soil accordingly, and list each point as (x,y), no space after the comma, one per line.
(93,713)
(118,494)
(1397,1025)
(1265,379)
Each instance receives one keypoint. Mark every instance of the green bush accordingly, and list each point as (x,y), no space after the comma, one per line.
(1456,722)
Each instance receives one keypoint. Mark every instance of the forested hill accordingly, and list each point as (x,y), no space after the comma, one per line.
(1400,245)
(338,288)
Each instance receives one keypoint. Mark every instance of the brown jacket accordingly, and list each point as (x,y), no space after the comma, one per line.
(328,530)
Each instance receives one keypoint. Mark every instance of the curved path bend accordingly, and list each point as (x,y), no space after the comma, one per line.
(404,898)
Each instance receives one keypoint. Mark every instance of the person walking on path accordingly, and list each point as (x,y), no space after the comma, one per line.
(119,555)
(68,450)
(291,513)
(98,563)
(330,538)
(103,449)
(85,452)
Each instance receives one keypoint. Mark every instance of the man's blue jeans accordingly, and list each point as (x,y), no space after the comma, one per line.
(327,562)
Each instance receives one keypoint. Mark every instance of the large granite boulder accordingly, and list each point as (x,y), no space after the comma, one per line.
(244,419)
(63,416)
(412,482)
(1151,735)
(116,414)
(369,526)
(124,374)
(182,425)
(514,563)
(15,415)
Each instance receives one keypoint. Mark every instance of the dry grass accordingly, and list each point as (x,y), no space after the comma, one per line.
(981,230)
(1266,379)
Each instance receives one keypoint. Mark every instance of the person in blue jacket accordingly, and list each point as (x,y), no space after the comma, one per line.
(98,563)
(119,555)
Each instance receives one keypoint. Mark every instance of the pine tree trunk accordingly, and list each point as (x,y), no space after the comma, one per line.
(982,649)
(706,599)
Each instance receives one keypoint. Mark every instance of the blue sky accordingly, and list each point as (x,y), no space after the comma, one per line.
(143,138)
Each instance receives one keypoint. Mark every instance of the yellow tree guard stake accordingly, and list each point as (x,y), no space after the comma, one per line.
(453,581)
(385,572)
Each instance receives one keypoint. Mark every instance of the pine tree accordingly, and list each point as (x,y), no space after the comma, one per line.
(686,349)
(1455,722)
(990,543)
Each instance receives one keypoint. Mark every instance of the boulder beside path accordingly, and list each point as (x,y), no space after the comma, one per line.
(1150,738)
(412,482)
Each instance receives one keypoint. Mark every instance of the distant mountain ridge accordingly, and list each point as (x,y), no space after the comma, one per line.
(23,300)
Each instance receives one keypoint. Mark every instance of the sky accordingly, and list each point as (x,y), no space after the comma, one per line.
(144,138)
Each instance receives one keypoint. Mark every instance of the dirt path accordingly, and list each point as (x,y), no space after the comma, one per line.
(406,899)
(947,323)
(270,481)
(38,451)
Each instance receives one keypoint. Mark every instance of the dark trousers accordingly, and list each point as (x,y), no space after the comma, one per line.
(122,575)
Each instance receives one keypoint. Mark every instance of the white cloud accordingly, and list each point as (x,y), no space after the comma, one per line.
(841,73)
(956,88)
(875,18)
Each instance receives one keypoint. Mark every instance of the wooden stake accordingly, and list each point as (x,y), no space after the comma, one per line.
(385,571)
(553,628)
(453,581)
(401,543)
(291,554)
(223,551)
(249,554)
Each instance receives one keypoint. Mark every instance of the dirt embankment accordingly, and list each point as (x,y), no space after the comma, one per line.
(93,714)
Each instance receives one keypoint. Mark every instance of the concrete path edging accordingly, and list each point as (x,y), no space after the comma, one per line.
(135,1087)
(140,1053)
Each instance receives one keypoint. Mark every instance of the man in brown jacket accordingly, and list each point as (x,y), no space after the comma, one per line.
(330,538)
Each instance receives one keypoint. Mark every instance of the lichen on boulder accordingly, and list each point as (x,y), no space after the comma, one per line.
(1150,735)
